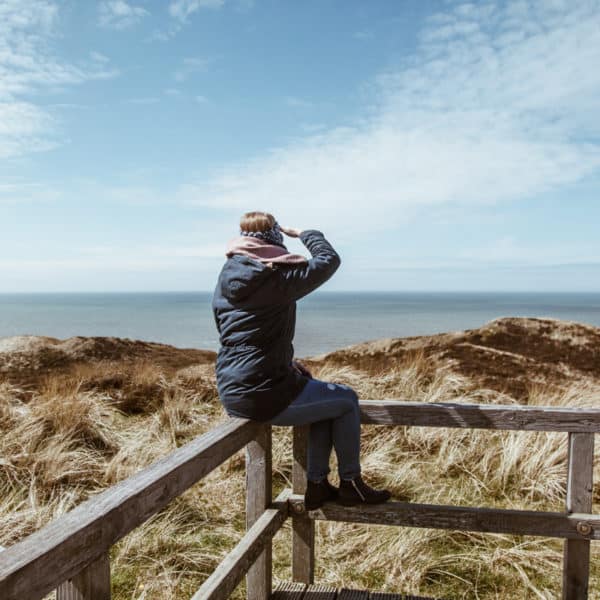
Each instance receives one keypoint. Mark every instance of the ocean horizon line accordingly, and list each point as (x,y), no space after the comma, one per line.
(317,292)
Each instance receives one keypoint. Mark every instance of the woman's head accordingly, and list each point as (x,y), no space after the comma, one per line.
(257,221)
(263,226)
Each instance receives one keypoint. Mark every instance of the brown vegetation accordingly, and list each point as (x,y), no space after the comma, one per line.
(79,415)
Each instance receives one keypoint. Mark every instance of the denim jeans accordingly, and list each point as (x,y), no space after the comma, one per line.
(332,411)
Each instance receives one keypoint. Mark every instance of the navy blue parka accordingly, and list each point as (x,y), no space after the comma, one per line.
(254,307)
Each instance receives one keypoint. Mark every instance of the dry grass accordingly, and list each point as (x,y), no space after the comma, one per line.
(79,433)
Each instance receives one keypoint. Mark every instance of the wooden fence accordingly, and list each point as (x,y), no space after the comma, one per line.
(71,553)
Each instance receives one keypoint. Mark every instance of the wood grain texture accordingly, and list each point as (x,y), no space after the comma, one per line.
(298,591)
(258,498)
(348,594)
(224,579)
(303,528)
(42,561)
(464,518)
(480,416)
(93,583)
(320,591)
(289,590)
(580,481)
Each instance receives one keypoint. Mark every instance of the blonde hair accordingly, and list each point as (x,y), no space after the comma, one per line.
(256,221)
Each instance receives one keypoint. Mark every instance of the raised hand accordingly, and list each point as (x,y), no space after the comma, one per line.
(291,231)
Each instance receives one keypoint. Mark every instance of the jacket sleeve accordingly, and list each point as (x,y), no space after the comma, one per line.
(299,280)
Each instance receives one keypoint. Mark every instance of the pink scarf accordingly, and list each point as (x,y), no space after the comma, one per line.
(261,250)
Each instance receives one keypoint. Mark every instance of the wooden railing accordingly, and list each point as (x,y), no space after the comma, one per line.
(71,553)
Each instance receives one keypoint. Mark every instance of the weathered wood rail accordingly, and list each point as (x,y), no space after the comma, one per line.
(70,554)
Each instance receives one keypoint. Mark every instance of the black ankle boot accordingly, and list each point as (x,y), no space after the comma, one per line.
(356,491)
(318,492)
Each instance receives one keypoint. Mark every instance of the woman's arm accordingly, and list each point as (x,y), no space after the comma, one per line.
(299,280)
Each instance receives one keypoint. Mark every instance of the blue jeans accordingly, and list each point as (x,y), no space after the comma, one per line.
(332,411)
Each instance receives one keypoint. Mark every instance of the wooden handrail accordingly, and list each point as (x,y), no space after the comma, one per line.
(63,548)
(480,416)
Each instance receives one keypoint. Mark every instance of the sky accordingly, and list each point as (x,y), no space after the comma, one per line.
(438,145)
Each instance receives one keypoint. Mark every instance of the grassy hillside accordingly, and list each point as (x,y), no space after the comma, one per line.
(80,415)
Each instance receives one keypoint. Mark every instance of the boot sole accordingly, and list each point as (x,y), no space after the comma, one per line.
(319,504)
(347,502)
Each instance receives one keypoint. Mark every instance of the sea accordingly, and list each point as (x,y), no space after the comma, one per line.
(326,320)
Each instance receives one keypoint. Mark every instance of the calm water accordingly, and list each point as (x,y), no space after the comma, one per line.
(326,320)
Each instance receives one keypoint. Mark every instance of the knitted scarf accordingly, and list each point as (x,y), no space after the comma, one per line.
(264,246)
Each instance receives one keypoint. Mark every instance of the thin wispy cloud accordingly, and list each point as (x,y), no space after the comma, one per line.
(499,102)
(183,9)
(99,57)
(118,14)
(27,66)
(18,192)
(180,13)
(363,35)
(296,102)
(191,66)
(143,101)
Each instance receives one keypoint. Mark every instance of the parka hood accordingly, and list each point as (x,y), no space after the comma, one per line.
(242,275)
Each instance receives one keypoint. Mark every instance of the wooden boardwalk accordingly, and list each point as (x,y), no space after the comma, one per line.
(290,590)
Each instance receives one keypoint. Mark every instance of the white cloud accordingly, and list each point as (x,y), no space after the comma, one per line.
(118,14)
(99,57)
(28,65)
(363,35)
(143,100)
(180,12)
(19,191)
(500,102)
(295,102)
(182,9)
(190,66)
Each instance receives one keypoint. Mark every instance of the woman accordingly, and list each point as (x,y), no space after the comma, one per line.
(254,307)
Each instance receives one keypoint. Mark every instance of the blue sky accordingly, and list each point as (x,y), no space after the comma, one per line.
(438,145)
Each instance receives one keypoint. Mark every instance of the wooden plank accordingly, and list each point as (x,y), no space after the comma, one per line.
(388,596)
(224,579)
(320,591)
(303,528)
(93,583)
(580,480)
(464,518)
(480,416)
(258,498)
(289,590)
(42,561)
(348,594)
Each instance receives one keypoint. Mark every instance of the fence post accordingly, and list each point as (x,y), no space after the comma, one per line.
(258,498)
(303,528)
(576,557)
(92,583)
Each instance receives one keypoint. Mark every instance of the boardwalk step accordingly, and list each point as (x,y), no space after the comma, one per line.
(290,590)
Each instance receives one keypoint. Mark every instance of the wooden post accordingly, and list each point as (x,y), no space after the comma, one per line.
(258,498)
(576,558)
(93,583)
(303,528)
